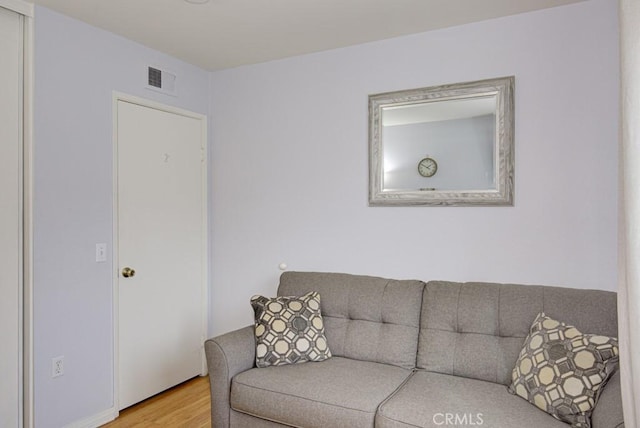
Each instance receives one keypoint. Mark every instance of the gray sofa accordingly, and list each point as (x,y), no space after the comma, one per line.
(405,354)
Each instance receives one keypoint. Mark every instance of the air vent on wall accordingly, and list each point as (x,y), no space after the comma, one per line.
(161,81)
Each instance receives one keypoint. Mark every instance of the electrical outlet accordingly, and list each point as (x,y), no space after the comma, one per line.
(57,366)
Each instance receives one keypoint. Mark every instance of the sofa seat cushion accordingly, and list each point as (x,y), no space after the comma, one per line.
(435,400)
(332,393)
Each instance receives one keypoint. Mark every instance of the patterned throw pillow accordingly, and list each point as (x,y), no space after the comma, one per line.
(561,370)
(289,330)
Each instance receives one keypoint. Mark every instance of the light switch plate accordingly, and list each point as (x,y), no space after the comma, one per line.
(101,252)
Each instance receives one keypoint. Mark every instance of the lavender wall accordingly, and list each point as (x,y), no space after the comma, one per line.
(76,69)
(290,161)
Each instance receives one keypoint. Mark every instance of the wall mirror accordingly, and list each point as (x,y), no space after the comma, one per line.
(443,145)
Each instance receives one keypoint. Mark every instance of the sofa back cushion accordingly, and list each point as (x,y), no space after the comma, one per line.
(365,318)
(476,330)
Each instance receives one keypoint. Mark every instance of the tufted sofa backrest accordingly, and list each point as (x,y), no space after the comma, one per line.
(365,318)
(476,330)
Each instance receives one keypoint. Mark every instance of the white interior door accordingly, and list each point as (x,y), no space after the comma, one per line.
(161,222)
(11,46)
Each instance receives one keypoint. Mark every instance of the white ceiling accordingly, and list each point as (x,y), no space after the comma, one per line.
(229,33)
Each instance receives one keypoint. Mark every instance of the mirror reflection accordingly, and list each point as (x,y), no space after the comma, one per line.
(457,136)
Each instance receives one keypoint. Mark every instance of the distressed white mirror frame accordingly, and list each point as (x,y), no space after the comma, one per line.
(503,151)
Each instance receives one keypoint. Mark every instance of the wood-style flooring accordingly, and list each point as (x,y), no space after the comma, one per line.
(187,405)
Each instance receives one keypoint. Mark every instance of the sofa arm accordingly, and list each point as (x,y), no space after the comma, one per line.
(227,355)
(608,410)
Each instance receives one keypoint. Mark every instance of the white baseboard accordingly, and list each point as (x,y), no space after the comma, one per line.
(96,420)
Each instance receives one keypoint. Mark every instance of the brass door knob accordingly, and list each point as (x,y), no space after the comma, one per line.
(128,272)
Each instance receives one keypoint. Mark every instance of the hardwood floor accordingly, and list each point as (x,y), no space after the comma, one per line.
(187,405)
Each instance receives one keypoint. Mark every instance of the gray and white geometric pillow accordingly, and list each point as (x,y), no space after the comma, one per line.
(562,371)
(289,330)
